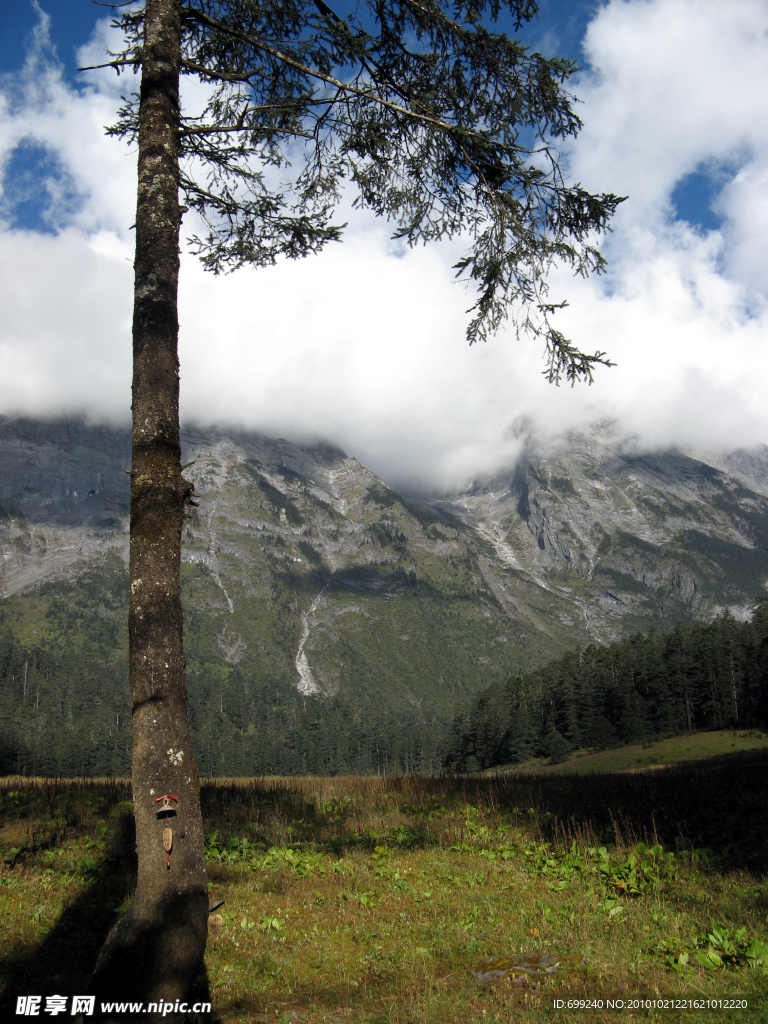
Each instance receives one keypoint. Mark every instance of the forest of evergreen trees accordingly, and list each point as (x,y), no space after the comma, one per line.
(644,687)
(241,726)
(68,712)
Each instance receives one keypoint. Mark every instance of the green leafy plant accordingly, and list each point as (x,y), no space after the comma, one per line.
(725,947)
(644,869)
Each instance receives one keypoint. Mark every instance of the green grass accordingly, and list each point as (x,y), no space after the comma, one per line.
(371,899)
(651,754)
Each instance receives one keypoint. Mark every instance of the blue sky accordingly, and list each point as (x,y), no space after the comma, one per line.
(560,27)
(558,31)
(72,22)
(364,345)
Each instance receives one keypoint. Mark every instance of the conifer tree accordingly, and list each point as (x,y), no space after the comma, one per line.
(435,120)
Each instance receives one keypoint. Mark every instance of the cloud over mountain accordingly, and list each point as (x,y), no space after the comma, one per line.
(364,345)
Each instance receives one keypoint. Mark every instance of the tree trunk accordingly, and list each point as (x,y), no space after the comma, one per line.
(155,952)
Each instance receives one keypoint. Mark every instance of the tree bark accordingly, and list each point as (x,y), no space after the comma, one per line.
(156,951)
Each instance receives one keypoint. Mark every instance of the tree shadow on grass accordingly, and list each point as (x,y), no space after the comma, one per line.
(718,803)
(62,964)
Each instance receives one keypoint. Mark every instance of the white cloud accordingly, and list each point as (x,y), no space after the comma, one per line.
(364,345)
(38,106)
(671,83)
(65,334)
(674,86)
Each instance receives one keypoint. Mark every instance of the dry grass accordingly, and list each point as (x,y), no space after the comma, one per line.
(379,895)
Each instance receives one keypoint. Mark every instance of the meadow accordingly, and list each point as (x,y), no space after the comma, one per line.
(413,899)
(661,753)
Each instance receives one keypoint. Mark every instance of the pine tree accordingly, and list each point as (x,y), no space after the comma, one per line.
(439,123)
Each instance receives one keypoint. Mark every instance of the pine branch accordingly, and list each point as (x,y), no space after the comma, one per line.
(342,87)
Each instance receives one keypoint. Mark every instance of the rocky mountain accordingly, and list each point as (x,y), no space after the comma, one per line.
(629,539)
(334,624)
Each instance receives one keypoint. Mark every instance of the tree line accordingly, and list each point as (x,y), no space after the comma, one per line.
(66,712)
(644,687)
(312,735)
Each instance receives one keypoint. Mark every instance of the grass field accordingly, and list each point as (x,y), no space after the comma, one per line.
(652,754)
(372,899)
